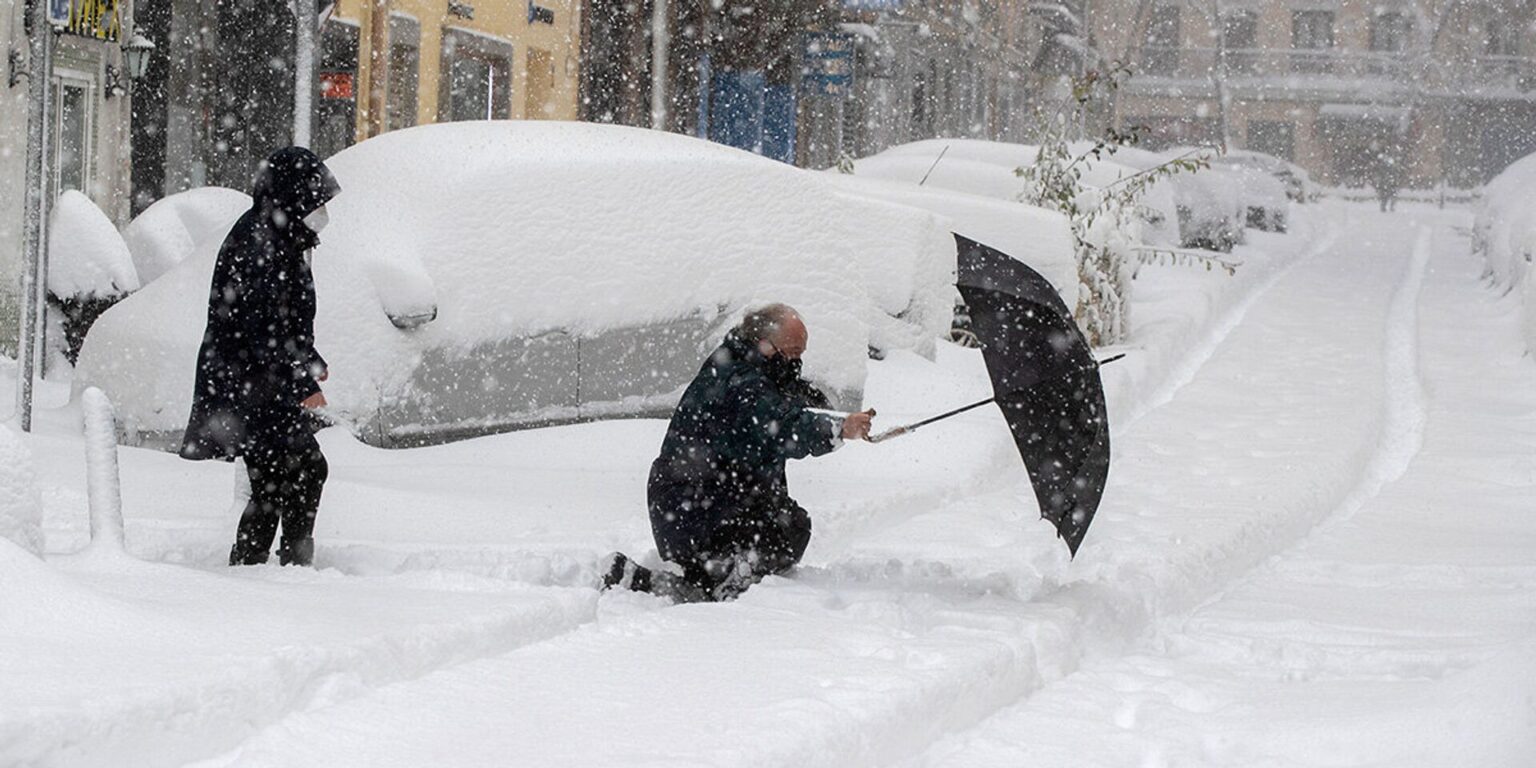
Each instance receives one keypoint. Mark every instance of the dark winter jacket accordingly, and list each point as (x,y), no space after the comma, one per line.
(258,361)
(723,457)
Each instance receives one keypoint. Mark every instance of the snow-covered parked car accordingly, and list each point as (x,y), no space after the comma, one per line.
(1209,201)
(1504,232)
(1299,186)
(167,232)
(484,276)
(988,169)
(1266,206)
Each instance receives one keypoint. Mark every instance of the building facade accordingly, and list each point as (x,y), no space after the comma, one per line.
(222,94)
(1442,89)
(87,119)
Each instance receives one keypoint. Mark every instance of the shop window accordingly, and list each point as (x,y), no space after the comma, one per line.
(404,71)
(477,77)
(335,126)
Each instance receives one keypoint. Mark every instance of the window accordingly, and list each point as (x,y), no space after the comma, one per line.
(477,77)
(1390,32)
(72,133)
(1160,49)
(1272,137)
(335,125)
(1240,40)
(1311,36)
(404,68)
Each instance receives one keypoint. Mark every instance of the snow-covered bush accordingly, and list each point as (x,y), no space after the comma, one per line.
(167,232)
(21,508)
(87,258)
(1505,233)
(530,252)
(89,267)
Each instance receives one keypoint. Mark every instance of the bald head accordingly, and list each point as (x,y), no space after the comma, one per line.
(775,327)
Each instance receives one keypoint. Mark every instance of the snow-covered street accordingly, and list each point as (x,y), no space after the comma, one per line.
(1318,548)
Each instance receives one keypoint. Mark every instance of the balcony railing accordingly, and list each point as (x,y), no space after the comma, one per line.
(1516,72)
(1200,63)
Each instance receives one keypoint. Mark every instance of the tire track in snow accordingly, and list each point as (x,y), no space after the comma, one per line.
(1091,610)
(171,725)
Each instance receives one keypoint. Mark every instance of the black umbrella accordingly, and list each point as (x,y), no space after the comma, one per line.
(1046,382)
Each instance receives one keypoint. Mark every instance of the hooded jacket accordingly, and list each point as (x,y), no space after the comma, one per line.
(258,362)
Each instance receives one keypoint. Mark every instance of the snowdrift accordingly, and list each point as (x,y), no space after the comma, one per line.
(481,275)
(167,232)
(1505,233)
(21,508)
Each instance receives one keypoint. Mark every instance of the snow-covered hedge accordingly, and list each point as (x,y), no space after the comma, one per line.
(87,258)
(1505,233)
(21,509)
(167,232)
(520,229)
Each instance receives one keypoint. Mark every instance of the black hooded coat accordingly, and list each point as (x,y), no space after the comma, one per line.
(258,361)
(723,458)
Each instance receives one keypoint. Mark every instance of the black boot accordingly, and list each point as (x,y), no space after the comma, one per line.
(242,553)
(297,552)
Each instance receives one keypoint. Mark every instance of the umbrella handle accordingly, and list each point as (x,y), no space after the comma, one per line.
(890,433)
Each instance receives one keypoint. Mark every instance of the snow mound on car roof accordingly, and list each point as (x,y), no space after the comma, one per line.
(515,228)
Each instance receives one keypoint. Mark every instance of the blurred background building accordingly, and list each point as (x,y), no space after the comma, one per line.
(1446,88)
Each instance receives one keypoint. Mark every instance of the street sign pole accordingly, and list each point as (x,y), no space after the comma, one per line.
(35,224)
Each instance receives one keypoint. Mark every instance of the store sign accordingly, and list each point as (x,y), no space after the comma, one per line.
(828,64)
(96,19)
(337,85)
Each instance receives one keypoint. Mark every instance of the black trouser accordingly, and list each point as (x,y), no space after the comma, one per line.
(766,535)
(742,550)
(287,473)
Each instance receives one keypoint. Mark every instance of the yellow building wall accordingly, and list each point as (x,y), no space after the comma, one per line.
(504,19)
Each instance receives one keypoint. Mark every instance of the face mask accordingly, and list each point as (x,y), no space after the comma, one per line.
(782,369)
(317,219)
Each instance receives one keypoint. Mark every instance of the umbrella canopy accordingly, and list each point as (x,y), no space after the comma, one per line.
(1046,381)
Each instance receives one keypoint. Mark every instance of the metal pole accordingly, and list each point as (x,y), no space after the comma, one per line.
(304,71)
(661,40)
(34,227)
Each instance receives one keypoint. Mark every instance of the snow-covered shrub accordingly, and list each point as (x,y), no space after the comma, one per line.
(1505,233)
(21,508)
(533,236)
(167,232)
(89,266)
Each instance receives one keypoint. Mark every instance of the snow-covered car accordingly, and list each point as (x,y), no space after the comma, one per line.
(1504,232)
(988,169)
(1266,206)
(1211,213)
(484,276)
(1299,186)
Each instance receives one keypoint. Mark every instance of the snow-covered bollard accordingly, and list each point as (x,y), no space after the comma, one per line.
(103,486)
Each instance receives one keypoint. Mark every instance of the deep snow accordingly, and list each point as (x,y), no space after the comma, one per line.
(1318,548)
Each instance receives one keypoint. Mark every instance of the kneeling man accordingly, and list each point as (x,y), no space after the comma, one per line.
(719,502)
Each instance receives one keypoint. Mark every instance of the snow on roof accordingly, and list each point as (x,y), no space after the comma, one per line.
(517,228)
(86,255)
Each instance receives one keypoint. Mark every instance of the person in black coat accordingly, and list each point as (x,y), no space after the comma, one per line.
(718,498)
(257,369)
